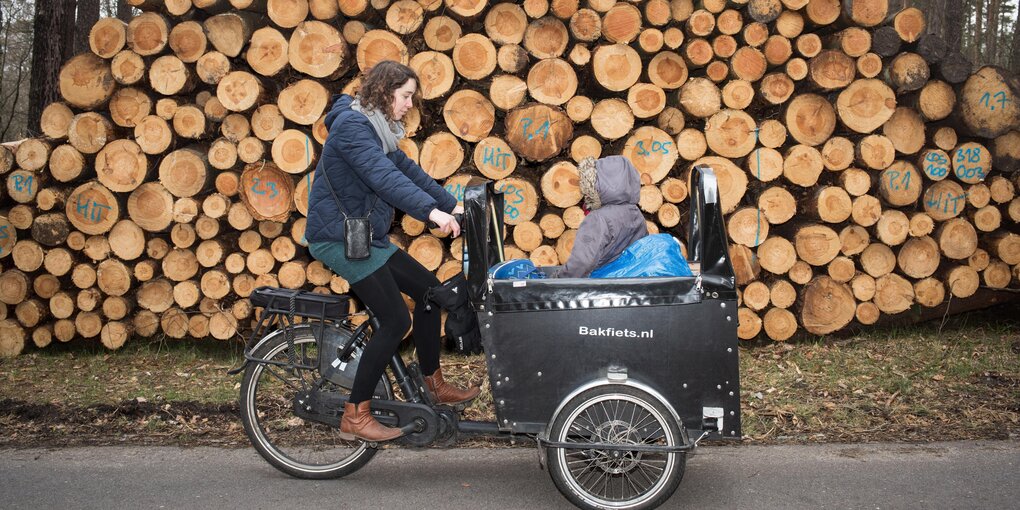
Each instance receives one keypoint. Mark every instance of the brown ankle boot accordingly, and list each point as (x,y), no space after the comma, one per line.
(358,423)
(446,393)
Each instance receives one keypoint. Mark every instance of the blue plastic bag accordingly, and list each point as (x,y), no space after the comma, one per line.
(652,255)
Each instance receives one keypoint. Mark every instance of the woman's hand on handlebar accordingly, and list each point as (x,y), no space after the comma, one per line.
(446,223)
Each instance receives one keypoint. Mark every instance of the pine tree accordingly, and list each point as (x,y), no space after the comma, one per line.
(954,25)
(1014,60)
(52,45)
(88,15)
(124,11)
(935,10)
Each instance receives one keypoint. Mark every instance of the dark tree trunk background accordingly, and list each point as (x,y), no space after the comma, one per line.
(52,45)
(936,14)
(992,31)
(954,23)
(88,15)
(124,11)
(1014,59)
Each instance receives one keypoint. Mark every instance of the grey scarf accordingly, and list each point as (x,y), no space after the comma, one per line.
(389,132)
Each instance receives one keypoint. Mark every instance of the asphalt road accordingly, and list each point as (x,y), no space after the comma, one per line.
(864,476)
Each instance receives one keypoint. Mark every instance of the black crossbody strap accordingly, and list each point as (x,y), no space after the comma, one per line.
(329,185)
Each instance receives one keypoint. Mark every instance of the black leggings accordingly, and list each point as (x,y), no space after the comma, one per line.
(380,292)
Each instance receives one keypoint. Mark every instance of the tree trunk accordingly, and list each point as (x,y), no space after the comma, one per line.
(817,244)
(51,229)
(954,24)
(936,16)
(55,19)
(1006,150)
(1014,58)
(893,293)
(810,119)
(316,49)
(988,102)
(749,324)
(12,338)
(470,116)
(828,306)
(124,11)
(908,72)
(992,32)
(779,324)
(87,16)
(977,53)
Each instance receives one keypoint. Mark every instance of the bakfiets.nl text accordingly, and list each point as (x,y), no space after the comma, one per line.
(615,332)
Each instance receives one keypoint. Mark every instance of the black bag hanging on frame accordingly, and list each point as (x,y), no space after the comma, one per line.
(462,333)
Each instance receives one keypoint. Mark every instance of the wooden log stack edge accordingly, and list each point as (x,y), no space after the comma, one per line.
(864,170)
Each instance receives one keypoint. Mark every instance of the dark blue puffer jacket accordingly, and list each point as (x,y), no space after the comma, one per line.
(359,171)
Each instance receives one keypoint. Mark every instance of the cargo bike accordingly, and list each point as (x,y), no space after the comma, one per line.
(616,380)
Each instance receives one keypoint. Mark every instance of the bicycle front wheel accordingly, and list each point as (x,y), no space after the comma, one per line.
(299,447)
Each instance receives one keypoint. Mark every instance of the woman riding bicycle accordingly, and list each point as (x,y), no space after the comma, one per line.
(370,177)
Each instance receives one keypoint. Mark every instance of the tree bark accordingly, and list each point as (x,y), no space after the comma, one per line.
(88,15)
(1014,59)
(55,18)
(977,37)
(936,16)
(955,21)
(992,32)
(124,11)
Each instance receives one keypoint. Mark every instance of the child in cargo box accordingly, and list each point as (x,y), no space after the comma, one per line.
(611,187)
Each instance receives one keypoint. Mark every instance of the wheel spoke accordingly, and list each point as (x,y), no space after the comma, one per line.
(645,419)
(605,483)
(588,464)
(590,427)
(643,469)
(615,477)
(272,370)
(299,446)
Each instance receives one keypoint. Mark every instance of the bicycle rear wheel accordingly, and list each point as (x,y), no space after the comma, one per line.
(300,447)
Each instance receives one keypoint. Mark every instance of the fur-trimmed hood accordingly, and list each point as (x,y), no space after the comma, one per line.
(609,180)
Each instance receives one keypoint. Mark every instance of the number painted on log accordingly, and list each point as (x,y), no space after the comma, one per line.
(657,148)
(991,101)
(937,165)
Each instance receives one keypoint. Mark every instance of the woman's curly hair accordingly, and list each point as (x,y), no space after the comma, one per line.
(382,80)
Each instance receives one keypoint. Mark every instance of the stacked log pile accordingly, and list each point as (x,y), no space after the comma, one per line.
(864,169)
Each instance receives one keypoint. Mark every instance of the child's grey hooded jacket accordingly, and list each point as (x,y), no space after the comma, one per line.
(611,187)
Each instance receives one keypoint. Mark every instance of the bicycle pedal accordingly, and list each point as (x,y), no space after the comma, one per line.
(457,408)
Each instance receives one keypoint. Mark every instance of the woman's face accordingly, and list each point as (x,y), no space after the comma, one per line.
(402,99)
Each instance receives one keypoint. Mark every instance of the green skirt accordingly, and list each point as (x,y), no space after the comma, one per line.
(332,254)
